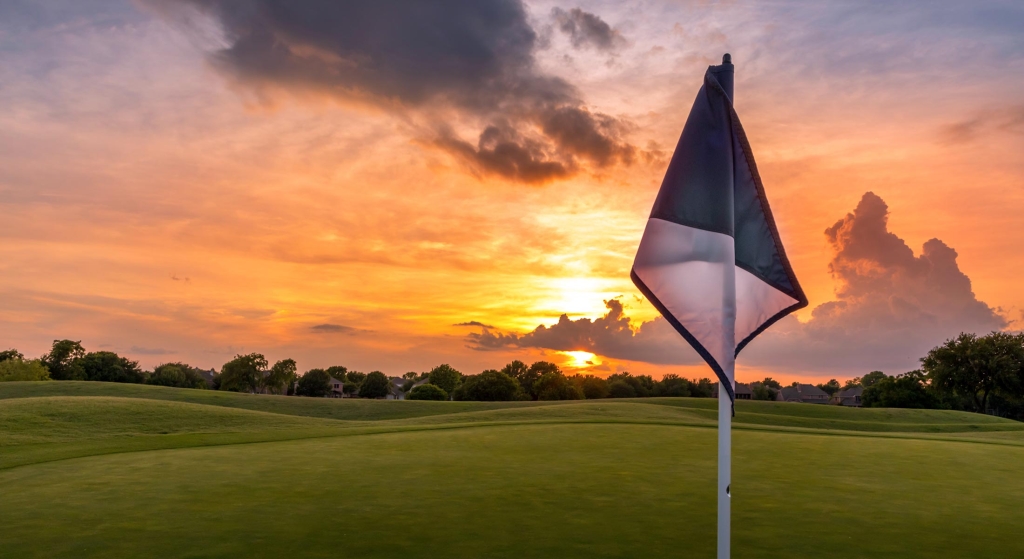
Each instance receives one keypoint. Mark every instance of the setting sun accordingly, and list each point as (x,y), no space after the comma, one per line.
(581,359)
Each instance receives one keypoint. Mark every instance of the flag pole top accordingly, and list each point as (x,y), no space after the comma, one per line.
(726,58)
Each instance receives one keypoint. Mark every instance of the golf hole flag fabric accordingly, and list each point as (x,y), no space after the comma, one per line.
(711,260)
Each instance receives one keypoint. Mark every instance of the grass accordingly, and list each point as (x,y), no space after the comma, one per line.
(101,470)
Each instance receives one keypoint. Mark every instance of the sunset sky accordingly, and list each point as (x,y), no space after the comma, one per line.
(393,185)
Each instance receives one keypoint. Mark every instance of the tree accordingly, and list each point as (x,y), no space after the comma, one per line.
(870,379)
(14,369)
(672,385)
(63,360)
(355,377)
(376,385)
(643,385)
(488,386)
(428,392)
(593,387)
(527,376)
(971,368)
(244,373)
(315,383)
(620,389)
(445,377)
(554,386)
(107,366)
(767,389)
(830,387)
(281,376)
(908,390)
(10,354)
(178,375)
(703,388)
(338,372)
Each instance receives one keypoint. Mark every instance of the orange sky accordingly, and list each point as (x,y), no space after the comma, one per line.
(156,206)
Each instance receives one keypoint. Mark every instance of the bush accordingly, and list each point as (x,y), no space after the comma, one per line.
(178,375)
(375,385)
(488,386)
(315,383)
(18,369)
(427,392)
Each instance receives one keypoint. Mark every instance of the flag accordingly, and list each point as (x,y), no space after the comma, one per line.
(710,259)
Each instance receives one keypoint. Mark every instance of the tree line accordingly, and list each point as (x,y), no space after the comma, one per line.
(983,374)
(252,373)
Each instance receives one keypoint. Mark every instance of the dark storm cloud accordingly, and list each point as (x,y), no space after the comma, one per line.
(891,307)
(473,56)
(587,30)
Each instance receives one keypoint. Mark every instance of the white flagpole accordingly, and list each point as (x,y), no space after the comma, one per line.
(724,470)
(725,404)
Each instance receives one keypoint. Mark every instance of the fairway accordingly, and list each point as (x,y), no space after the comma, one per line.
(101,470)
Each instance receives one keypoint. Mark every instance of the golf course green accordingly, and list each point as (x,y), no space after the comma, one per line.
(112,470)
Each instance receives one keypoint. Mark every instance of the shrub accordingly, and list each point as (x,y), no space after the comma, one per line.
(427,392)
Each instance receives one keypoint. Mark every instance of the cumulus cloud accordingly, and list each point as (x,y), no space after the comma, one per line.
(612,335)
(475,57)
(891,307)
(587,30)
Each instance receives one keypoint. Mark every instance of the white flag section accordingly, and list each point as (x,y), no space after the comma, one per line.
(711,260)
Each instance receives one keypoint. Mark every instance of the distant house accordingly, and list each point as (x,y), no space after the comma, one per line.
(803,393)
(850,397)
(743,391)
(396,387)
(337,388)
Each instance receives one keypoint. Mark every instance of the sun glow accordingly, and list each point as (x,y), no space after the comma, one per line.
(580,359)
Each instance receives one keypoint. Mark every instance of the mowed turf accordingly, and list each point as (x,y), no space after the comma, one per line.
(588,479)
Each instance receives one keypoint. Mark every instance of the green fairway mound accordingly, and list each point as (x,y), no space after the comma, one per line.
(530,490)
(62,418)
(139,471)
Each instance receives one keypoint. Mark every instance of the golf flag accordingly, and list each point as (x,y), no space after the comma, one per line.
(711,260)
